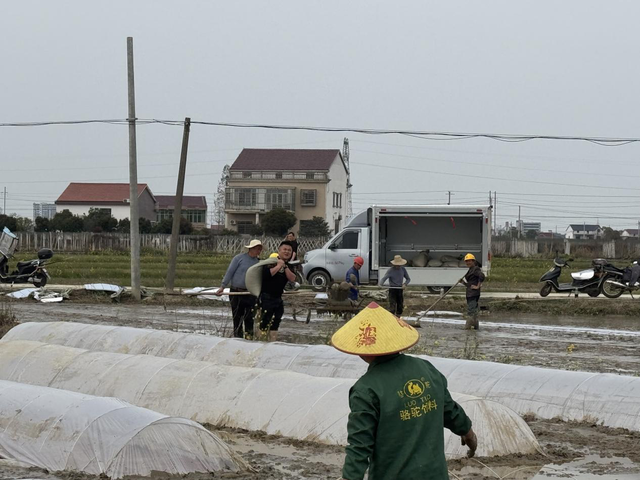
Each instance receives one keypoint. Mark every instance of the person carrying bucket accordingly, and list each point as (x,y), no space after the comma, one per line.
(242,306)
(399,407)
(473,280)
(397,275)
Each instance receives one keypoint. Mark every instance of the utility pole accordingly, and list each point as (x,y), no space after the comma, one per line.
(4,202)
(133,177)
(449,193)
(177,207)
(495,211)
(519,222)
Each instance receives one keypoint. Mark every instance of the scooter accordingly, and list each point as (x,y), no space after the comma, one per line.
(31,271)
(619,280)
(587,281)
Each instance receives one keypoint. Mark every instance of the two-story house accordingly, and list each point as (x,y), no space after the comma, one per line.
(582,231)
(306,182)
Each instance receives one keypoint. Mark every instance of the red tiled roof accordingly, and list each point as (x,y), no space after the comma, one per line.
(98,193)
(188,201)
(284,159)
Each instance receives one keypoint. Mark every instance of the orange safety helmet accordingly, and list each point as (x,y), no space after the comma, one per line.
(359,261)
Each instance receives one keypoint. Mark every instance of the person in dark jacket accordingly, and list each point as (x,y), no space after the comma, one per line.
(274,279)
(399,407)
(473,280)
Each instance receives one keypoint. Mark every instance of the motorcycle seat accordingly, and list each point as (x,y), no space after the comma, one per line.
(24,264)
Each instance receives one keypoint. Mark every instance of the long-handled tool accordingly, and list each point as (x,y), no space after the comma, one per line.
(438,300)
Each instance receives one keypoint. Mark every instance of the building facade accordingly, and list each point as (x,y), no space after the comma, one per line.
(307,183)
(79,198)
(583,231)
(194,209)
(44,210)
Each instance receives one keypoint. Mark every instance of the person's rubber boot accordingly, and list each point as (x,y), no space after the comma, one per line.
(472,323)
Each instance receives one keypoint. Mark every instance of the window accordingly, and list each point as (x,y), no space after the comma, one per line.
(244,226)
(278,175)
(246,197)
(337,200)
(246,174)
(164,213)
(310,175)
(194,216)
(348,241)
(308,198)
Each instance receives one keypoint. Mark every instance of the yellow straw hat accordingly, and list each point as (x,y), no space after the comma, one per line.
(375,331)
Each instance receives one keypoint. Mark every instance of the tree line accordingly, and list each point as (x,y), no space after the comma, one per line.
(96,221)
(276,222)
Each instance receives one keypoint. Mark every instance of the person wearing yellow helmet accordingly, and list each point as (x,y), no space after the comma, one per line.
(274,255)
(473,280)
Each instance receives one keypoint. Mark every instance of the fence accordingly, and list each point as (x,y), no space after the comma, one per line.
(549,248)
(92,242)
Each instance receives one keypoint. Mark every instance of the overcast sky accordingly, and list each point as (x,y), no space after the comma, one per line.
(526,67)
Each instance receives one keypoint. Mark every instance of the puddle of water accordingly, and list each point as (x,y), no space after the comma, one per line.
(590,467)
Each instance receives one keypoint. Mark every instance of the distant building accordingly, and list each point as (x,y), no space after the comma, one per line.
(194,209)
(582,231)
(44,210)
(629,233)
(308,183)
(524,227)
(79,198)
(550,234)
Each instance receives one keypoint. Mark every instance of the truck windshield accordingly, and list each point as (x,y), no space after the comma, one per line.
(348,241)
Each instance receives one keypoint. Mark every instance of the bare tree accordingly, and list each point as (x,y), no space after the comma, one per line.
(219,200)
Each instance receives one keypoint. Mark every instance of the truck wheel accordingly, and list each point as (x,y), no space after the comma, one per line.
(435,290)
(319,280)
(545,290)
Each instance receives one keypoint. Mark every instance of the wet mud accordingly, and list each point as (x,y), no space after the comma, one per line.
(572,450)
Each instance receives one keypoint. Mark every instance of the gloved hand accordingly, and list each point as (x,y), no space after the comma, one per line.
(470,440)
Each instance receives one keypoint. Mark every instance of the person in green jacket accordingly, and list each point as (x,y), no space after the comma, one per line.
(399,407)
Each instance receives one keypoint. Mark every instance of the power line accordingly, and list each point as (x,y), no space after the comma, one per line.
(434,172)
(423,135)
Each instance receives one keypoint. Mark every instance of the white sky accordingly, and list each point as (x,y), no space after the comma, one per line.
(527,67)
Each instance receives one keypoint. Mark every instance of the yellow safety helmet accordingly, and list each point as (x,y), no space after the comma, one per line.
(469,256)
(274,255)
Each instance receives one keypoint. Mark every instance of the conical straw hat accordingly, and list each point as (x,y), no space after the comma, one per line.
(375,331)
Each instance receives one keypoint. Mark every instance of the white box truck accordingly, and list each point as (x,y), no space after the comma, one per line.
(433,238)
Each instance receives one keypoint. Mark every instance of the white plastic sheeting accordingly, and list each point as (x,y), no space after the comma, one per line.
(275,401)
(613,400)
(61,430)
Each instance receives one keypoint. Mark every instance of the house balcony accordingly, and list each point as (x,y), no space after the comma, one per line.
(284,176)
(259,200)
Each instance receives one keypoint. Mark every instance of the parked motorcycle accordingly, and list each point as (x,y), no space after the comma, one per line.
(32,271)
(620,280)
(586,281)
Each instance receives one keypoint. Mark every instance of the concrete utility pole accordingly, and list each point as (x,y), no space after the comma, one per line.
(449,193)
(495,211)
(4,202)
(177,207)
(133,177)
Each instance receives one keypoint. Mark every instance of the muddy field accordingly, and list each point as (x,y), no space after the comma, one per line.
(591,343)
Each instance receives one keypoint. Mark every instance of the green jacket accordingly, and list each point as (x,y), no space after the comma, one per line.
(399,409)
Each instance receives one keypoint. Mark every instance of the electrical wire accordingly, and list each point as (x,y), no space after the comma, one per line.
(423,135)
